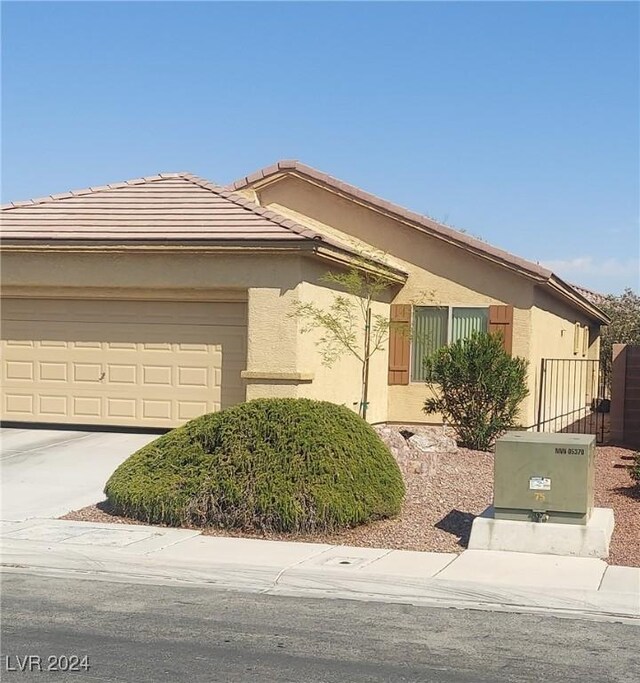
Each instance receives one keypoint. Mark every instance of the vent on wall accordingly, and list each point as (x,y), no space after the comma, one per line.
(577,331)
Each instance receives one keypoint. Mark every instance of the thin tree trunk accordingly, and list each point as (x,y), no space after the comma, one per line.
(365,366)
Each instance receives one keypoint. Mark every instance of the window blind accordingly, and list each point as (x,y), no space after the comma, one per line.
(430,333)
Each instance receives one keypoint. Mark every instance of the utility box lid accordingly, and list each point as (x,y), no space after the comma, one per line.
(519,437)
(541,473)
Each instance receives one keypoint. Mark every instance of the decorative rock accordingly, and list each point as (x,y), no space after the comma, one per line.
(396,444)
(415,447)
(433,442)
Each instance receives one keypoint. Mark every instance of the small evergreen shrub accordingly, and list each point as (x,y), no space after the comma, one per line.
(481,388)
(270,465)
(635,469)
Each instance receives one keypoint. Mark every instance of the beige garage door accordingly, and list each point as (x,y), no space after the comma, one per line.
(139,363)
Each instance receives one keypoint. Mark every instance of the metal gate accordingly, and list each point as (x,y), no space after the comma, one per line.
(573,397)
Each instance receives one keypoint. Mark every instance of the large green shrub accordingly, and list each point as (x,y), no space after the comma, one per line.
(480,388)
(269,464)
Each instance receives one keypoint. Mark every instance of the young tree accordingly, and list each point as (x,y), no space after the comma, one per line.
(624,311)
(349,315)
(480,388)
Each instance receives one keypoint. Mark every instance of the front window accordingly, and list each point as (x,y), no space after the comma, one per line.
(436,326)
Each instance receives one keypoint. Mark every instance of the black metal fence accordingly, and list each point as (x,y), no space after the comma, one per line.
(573,396)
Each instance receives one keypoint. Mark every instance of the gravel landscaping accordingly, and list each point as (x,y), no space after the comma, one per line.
(614,489)
(446,489)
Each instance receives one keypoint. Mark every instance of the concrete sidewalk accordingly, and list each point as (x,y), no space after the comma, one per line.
(569,586)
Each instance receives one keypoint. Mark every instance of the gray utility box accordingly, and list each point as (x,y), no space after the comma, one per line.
(544,477)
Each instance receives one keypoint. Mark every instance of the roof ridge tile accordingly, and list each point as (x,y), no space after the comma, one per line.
(24,202)
(94,189)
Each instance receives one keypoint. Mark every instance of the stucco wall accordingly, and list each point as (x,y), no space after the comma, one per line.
(439,273)
(149,268)
(556,320)
(574,384)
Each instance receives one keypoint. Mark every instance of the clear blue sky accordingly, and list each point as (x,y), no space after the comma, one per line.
(518,122)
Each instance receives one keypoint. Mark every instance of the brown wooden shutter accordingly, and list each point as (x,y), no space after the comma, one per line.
(399,344)
(501,320)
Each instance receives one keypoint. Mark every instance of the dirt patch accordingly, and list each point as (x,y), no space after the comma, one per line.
(445,492)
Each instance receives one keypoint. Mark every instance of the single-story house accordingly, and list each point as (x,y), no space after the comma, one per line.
(148,302)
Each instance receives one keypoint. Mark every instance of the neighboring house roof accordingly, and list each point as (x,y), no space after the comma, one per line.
(169,207)
(594,297)
(445,233)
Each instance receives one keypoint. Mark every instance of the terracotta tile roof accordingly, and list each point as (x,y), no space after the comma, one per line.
(169,206)
(428,224)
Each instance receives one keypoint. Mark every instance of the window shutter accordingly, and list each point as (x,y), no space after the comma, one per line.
(399,344)
(501,320)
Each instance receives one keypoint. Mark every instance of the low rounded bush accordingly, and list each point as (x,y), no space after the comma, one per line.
(267,465)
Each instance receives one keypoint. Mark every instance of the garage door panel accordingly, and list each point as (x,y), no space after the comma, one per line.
(121,407)
(187,410)
(118,336)
(53,405)
(87,406)
(157,375)
(19,370)
(23,343)
(52,371)
(194,376)
(193,348)
(17,405)
(156,409)
(76,369)
(87,372)
(49,344)
(122,374)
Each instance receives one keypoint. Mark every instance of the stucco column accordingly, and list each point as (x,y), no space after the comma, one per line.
(618,390)
(272,344)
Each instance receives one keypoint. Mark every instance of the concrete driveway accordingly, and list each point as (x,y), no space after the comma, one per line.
(47,473)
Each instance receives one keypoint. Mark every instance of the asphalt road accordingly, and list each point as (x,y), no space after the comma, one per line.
(152,633)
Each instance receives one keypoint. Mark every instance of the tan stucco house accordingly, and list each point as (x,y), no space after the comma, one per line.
(149,302)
